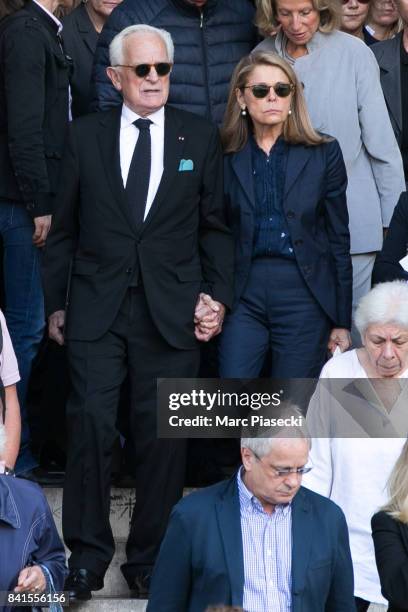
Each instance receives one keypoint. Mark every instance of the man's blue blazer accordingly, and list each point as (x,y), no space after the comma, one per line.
(201,558)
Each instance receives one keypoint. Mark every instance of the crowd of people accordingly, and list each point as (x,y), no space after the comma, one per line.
(227,174)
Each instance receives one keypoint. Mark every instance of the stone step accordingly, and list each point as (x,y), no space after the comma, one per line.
(122,502)
(114,583)
(110,604)
(121,507)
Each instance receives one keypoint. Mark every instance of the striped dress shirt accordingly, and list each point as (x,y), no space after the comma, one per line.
(267,550)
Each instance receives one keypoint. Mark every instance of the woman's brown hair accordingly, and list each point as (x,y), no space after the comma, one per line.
(236,128)
(8,7)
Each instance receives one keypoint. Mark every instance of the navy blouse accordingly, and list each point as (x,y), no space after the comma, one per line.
(271,238)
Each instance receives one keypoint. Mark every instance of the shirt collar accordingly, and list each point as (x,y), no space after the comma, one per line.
(248,501)
(129,116)
(50,15)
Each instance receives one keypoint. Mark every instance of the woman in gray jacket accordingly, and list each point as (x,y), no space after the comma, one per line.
(344,98)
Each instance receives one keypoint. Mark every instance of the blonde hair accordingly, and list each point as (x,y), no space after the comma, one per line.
(329,12)
(397,506)
(297,128)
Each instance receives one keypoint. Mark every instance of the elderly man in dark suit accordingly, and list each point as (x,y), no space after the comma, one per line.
(259,540)
(392,57)
(141,220)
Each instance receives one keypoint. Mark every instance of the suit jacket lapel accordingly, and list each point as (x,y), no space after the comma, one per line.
(390,65)
(174,139)
(298,156)
(108,138)
(229,521)
(301,545)
(242,165)
(86,30)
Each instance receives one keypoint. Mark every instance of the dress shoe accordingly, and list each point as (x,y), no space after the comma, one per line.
(43,477)
(80,583)
(140,585)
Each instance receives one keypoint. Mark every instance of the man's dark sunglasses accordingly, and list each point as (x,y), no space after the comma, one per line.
(261,90)
(142,70)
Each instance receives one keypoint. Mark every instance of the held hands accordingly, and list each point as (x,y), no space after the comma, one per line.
(41,228)
(339,337)
(56,323)
(208,318)
(31,580)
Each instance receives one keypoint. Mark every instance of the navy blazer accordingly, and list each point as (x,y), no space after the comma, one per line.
(315,208)
(201,558)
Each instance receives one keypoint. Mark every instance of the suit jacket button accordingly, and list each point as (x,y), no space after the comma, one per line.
(298,242)
(290,214)
(129,270)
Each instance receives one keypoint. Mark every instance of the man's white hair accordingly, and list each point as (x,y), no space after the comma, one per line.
(262,446)
(116,54)
(386,303)
(2,440)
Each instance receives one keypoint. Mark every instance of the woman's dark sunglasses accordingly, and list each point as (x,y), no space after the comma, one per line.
(261,90)
(142,70)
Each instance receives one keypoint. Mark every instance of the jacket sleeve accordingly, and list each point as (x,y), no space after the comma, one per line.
(215,238)
(387,266)
(50,550)
(337,227)
(377,134)
(392,559)
(341,594)
(62,239)
(103,94)
(171,581)
(24,79)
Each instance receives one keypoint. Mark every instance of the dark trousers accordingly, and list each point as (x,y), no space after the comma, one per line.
(361,604)
(134,346)
(276,313)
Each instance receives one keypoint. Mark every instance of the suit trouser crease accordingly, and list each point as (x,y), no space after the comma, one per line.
(134,346)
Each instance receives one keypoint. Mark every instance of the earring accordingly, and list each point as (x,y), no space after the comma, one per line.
(290,112)
(243,111)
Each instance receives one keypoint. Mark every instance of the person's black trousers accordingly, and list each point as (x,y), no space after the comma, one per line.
(98,369)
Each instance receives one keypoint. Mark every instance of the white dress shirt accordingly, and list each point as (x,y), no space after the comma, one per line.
(129,134)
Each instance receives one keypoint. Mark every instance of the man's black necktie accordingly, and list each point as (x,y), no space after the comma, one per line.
(137,184)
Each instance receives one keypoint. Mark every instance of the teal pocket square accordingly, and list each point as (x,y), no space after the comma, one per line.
(186,165)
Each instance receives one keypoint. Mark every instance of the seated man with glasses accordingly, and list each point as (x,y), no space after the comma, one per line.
(259,540)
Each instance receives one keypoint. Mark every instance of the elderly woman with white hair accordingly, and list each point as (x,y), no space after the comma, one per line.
(360,424)
(34,553)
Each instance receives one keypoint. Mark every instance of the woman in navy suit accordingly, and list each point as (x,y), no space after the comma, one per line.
(285,187)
